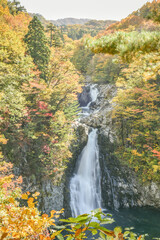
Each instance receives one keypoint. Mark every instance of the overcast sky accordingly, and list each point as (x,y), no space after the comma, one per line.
(93,9)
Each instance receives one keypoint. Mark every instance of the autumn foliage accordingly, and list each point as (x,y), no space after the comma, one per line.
(36,114)
(17,222)
(136,115)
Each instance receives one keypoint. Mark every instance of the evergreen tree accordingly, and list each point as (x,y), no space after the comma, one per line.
(57,41)
(15,7)
(51,29)
(55,36)
(37,46)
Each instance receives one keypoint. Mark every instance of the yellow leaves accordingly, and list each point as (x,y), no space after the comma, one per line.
(45,216)
(11,200)
(134,152)
(24,196)
(15,235)
(60,117)
(31,203)
(156,168)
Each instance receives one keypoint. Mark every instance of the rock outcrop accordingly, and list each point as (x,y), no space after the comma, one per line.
(51,196)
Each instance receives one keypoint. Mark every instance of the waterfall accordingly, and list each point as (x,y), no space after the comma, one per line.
(85,185)
(93,95)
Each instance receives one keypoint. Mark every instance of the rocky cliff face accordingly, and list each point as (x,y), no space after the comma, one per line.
(120,185)
(51,196)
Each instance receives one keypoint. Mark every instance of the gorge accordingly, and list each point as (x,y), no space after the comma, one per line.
(79,126)
(95,177)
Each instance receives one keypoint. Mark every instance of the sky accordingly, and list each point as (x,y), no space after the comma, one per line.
(92,9)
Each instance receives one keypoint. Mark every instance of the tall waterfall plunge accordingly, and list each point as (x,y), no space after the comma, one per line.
(85,185)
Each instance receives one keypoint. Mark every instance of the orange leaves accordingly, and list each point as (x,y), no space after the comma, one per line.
(37,85)
(30,202)
(156,153)
(139,238)
(3,140)
(3,235)
(78,231)
(24,196)
(33,87)
(42,105)
(21,222)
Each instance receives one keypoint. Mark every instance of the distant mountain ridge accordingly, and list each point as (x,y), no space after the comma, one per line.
(76,28)
(70,21)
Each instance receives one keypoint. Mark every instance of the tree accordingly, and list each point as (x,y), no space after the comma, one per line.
(37,46)
(55,38)
(81,57)
(51,29)
(15,7)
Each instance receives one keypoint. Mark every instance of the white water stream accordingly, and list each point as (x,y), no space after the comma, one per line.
(93,95)
(85,185)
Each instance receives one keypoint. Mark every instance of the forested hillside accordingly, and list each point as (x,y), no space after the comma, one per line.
(38,98)
(92,27)
(75,28)
(137,113)
(146,18)
(127,54)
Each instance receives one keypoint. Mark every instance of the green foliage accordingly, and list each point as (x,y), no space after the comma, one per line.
(136,113)
(55,37)
(15,7)
(101,68)
(104,68)
(92,226)
(81,57)
(92,27)
(127,45)
(37,46)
